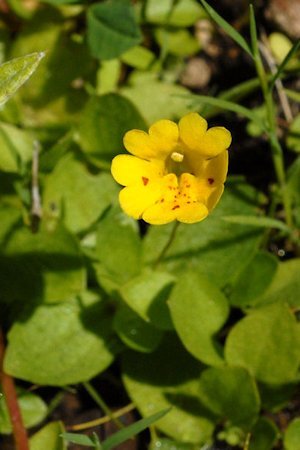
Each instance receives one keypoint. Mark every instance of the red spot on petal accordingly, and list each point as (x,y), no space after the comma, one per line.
(211,180)
(175,207)
(145,181)
(187,185)
(162,200)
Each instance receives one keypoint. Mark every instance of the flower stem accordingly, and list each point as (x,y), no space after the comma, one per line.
(167,245)
(10,395)
(102,420)
(276,149)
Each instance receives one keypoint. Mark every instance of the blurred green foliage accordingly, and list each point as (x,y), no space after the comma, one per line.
(211,328)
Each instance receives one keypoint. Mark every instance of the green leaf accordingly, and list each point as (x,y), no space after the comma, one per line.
(76,196)
(156,99)
(56,344)
(112,28)
(253,34)
(138,57)
(275,398)
(49,437)
(135,332)
(16,148)
(237,37)
(169,444)
(264,435)
(169,377)
(147,295)
(181,13)
(284,63)
(177,42)
(126,433)
(51,98)
(254,280)
(217,249)
(285,286)
(291,436)
(49,265)
(120,233)
(15,72)
(266,342)
(108,75)
(199,310)
(80,439)
(103,124)
(33,411)
(293,137)
(231,394)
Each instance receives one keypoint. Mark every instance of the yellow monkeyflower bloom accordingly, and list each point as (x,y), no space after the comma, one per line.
(174,172)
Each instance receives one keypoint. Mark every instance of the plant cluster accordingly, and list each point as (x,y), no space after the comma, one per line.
(200,318)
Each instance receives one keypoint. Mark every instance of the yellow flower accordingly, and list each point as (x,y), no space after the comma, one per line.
(174,172)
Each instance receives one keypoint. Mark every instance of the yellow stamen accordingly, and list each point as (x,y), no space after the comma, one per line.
(177,157)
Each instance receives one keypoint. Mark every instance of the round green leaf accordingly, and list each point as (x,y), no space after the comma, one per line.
(291,437)
(103,124)
(49,437)
(112,28)
(267,344)
(285,286)
(198,310)
(169,377)
(74,194)
(118,250)
(135,332)
(230,393)
(156,99)
(254,280)
(177,42)
(62,344)
(49,266)
(16,147)
(147,295)
(264,435)
(33,411)
(183,13)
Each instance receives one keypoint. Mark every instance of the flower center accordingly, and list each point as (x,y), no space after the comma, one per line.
(177,157)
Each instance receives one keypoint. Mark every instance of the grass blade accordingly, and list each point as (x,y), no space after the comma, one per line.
(132,430)
(80,439)
(261,222)
(283,64)
(253,32)
(235,35)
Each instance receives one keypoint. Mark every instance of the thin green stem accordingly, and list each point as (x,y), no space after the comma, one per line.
(101,403)
(167,245)
(276,149)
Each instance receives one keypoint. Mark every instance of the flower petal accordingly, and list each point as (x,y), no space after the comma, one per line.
(138,143)
(159,214)
(216,168)
(214,142)
(128,170)
(135,199)
(191,213)
(164,136)
(192,128)
(214,197)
